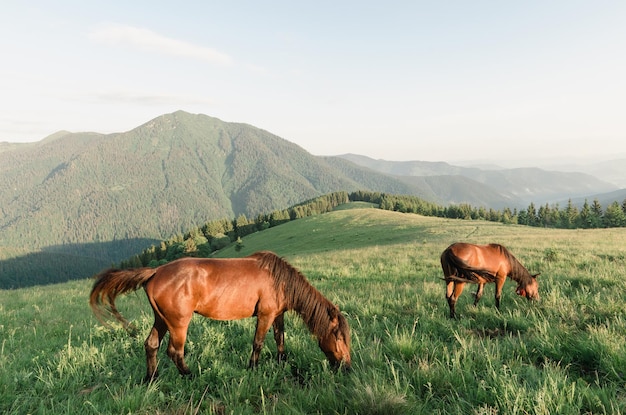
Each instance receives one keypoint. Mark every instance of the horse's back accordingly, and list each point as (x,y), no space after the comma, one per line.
(465,248)
(466,252)
(221,289)
(487,257)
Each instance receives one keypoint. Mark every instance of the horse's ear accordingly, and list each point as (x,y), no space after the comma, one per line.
(333,314)
(536,275)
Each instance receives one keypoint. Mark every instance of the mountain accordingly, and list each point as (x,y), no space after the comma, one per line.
(78,202)
(516,187)
(99,198)
(612,171)
(153,181)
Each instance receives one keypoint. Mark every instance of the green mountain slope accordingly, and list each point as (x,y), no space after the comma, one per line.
(163,177)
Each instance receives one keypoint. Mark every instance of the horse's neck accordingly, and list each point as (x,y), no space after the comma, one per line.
(313,308)
(518,272)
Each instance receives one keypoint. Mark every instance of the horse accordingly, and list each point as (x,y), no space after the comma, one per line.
(481,264)
(262,285)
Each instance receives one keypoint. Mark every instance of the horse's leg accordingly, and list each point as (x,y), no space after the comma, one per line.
(152,344)
(479,293)
(449,292)
(263,323)
(176,346)
(499,284)
(279,336)
(453,291)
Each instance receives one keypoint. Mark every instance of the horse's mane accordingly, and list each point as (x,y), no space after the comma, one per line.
(316,311)
(518,272)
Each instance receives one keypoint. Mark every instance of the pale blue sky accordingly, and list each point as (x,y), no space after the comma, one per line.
(415,80)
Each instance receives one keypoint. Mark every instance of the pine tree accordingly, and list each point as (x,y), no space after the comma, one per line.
(569,215)
(596,214)
(532,215)
(584,218)
(614,216)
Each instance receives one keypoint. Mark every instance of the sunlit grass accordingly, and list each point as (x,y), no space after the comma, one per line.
(564,354)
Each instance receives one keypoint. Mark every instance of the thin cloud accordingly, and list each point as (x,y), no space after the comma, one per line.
(145,99)
(144,39)
(261,70)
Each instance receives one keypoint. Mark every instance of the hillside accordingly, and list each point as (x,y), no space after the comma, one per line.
(382,270)
(158,179)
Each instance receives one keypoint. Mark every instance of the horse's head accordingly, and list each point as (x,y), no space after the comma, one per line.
(530,290)
(336,342)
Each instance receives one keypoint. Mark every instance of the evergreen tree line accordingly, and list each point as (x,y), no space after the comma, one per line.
(549,216)
(218,234)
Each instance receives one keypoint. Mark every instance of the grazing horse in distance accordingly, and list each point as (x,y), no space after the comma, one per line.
(481,264)
(261,285)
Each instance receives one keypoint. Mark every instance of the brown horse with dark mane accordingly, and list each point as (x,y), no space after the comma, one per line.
(481,264)
(262,285)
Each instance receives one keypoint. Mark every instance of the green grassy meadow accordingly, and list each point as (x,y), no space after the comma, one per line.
(563,355)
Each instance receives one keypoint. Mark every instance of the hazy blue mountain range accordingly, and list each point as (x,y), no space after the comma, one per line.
(516,187)
(81,201)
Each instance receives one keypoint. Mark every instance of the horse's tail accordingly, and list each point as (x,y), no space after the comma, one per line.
(454,268)
(111,283)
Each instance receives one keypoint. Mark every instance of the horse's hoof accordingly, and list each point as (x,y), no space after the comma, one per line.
(149,379)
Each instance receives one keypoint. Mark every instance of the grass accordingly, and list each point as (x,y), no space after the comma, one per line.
(565,354)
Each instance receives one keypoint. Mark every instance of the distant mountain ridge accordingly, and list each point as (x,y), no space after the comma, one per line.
(517,187)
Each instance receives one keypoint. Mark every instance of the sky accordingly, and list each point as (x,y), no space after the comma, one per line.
(431,80)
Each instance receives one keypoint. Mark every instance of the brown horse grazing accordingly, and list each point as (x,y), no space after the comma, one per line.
(481,264)
(262,285)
